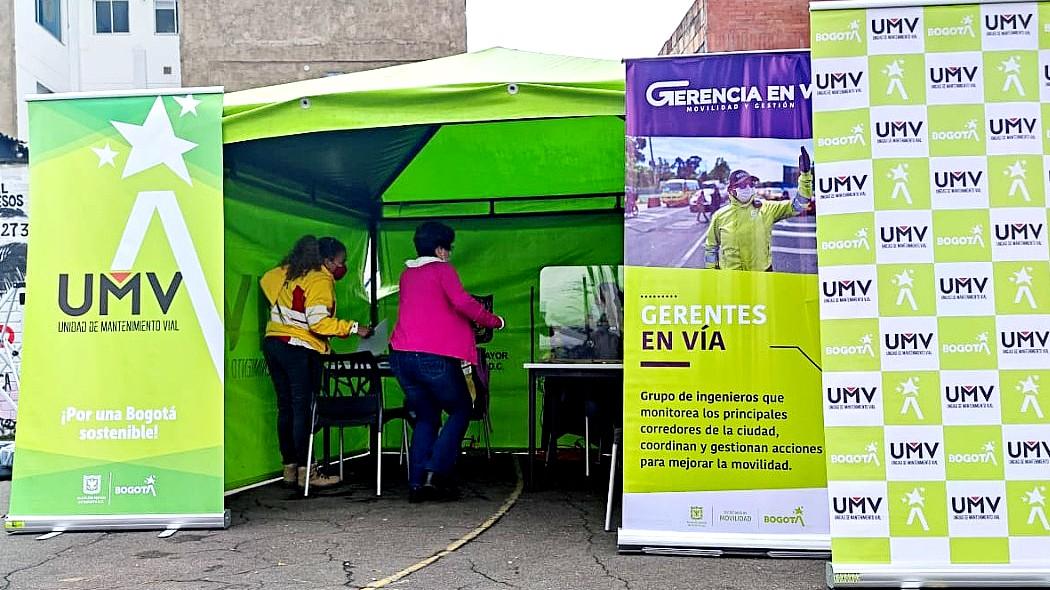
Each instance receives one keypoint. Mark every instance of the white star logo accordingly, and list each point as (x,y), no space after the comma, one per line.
(154,143)
(900,172)
(1011,65)
(858,129)
(105,155)
(982,337)
(866,339)
(150,480)
(1015,170)
(872,448)
(1029,385)
(188,104)
(989,447)
(1035,497)
(894,69)
(904,279)
(862,233)
(909,387)
(914,498)
(1022,277)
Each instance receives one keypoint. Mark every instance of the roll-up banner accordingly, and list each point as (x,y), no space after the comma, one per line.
(120,422)
(935,313)
(723,439)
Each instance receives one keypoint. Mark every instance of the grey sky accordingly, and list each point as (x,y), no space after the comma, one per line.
(609,29)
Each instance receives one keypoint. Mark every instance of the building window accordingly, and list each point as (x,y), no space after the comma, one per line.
(49,16)
(166,14)
(111,16)
(41,89)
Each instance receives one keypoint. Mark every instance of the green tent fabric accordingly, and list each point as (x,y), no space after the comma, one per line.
(522,152)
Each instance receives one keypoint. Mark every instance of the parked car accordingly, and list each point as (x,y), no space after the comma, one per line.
(678,192)
(709,193)
(776,191)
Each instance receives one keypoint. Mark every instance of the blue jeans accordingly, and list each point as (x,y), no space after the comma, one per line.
(433,384)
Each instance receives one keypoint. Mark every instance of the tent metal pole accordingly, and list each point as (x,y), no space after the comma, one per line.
(373,253)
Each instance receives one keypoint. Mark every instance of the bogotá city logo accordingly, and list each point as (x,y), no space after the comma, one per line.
(969,397)
(839,83)
(974,238)
(870,456)
(1019,234)
(895,73)
(899,175)
(796,517)
(904,236)
(696,512)
(1029,389)
(92,484)
(963,29)
(856,508)
(967,132)
(904,282)
(914,453)
(863,347)
(1027,452)
(854,137)
(836,187)
(909,391)
(1011,69)
(1007,25)
(860,242)
(976,507)
(986,456)
(847,291)
(1017,172)
(898,131)
(147,488)
(1012,128)
(851,33)
(953,77)
(963,288)
(1023,280)
(957,182)
(894,29)
(916,502)
(851,398)
(979,345)
(1036,501)
(1024,341)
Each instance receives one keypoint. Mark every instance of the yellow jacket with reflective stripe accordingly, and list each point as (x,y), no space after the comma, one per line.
(303,310)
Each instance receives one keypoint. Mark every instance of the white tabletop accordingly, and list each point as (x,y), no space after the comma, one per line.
(584,366)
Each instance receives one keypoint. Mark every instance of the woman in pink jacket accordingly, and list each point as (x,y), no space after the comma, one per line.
(433,337)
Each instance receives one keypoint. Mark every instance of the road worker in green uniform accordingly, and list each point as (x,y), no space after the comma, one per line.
(741,233)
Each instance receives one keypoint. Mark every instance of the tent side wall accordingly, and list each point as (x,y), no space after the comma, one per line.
(261,226)
(503,256)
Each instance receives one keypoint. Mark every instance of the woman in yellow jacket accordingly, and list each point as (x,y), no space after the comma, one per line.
(301,292)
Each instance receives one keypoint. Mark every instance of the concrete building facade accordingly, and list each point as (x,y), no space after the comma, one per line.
(711,26)
(246,43)
(83,45)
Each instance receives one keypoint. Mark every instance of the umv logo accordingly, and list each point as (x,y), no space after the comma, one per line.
(863,348)
(916,501)
(858,243)
(1020,342)
(796,517)
(967,132)
(909,390)
(974,238)
(963,288)
(1029,388)
(856,508)
(976,507)
(852,33)
(958,181)
(899,175)
(838,83)
(980,345)
(964,29)
(148,488)
(898,130)
(118,285)
(1017,172)
(847,291)
(842,186)
(904,236)
(986,456)
(953,76)
(1018,234)
(969,396)
(853,398)
(1011,69)
(1002,25)
(1023,280)
(1027,452)
(914,453)
(894,28)
(1037,506)
(895,73)
(855,137)
(870,456)
(908,344)
(1003,128)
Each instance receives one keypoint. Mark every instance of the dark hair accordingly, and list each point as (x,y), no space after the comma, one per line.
(432,235)
(308,254)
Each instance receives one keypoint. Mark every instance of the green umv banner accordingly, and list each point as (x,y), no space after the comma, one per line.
(121,415)
(929,124)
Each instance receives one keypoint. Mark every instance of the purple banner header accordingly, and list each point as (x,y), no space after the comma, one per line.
(742,95)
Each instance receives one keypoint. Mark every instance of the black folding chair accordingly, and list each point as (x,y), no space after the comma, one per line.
(351,395)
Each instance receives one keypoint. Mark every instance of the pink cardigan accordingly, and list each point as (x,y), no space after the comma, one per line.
(436,314)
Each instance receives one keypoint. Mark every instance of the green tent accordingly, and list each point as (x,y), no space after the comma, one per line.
(521,152)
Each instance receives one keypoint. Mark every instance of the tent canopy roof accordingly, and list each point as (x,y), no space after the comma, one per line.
(482,126)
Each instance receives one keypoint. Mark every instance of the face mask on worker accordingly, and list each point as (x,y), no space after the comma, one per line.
(744,194)
(338,269)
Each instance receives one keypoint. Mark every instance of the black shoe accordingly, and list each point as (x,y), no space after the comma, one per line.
(422,494)
(444,487)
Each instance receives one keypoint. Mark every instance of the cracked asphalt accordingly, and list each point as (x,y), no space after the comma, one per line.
(348,538)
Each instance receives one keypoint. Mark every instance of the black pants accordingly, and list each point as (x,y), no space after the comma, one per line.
(296,374)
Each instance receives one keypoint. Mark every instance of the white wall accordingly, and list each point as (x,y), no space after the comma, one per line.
(39,57)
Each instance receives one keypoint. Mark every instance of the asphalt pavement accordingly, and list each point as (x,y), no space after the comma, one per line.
(673,237)
(550,539)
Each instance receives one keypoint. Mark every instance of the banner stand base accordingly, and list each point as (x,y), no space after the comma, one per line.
(956,576)
(723,544)
(116,522)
